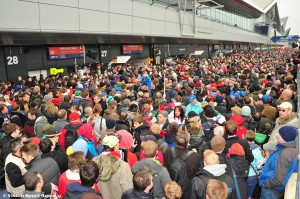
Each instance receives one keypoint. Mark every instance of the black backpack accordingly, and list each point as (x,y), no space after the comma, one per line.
(178,170)
(71,134)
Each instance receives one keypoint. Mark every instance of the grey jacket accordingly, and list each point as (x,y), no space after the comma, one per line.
(59,124)
(48,169)
(160,174)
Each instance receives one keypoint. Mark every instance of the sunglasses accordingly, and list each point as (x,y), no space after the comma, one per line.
(281,110)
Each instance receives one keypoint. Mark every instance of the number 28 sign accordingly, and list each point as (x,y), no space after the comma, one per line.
(12,60)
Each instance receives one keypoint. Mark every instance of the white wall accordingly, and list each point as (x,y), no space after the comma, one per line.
(124,17)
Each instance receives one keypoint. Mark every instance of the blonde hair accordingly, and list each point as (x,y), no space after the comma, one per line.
(172,190)
(216,189)
(51,109)
(155,128)
(210,157)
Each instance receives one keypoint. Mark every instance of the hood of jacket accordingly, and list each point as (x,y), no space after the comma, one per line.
(126,140)
(291,144)
(77,187)
(86,130)
(286,119)
(153,165)
(216,170)
(238,119)
(253,146)
(107,165)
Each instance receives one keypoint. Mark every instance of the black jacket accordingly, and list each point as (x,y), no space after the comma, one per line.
(75,191)
(243,143)
(18,118)
(200,182)
(133,194)
(141,131)
(200,145)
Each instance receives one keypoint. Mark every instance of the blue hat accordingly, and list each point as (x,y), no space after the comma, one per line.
(103,94)
(266,98)
(192,98)
(80,145)
(243,94)
(219,99)
(117,89)
(110,123)
(288,133)
(18,87)
(237,95)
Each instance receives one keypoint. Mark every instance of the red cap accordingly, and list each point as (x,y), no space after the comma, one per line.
(74,116)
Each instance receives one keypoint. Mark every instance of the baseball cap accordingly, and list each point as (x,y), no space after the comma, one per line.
(110,140)
(286,105)
(192,98)
(74,116)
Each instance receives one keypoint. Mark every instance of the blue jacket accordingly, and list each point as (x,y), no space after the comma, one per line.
(279,168)
(148,81)
(196,108)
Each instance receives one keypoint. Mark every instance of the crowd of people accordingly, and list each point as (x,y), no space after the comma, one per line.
(191,128)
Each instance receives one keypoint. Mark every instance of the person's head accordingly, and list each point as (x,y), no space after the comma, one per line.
(216,189)
(178,112)
(15,146)
(97,98)
(12,129)
(155,128)
(73,117)
(142,181)
(250,136)
(286,94)
(29,152)
(138,120)
(231,127)
(217,144)
(111,143)
(219,130)
(285,109)
(193,117)
(287,134)
(32,114)
(150,149)
(46,145)
(193,100)
(26,97)
(62,114)
(3,109)
(76,160)
(182,139)
(236,110)
(89,173)
(162,117)
(16,107)
(33,181)
(210,158)
(85,93)
(172,190)
(110,123)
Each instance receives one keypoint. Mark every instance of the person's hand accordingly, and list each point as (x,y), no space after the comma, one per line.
(24,139)
(134,143)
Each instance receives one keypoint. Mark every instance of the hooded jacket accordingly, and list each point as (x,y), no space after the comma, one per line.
(115,176)
(141,131)
(291,120)
(274,176)
(133,194)
(241,130)
(217,172)
(40,122)
(257,154)
(160,174)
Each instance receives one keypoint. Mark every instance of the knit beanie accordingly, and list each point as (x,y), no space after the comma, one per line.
(236,149)
(288,133)
(246,111)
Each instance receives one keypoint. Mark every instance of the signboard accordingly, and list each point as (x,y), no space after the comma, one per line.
(67,52)
(290,38)
(198,52)
(122,59)
(132,49)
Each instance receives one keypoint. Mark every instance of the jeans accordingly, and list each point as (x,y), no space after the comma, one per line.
(251,183)
(268,194)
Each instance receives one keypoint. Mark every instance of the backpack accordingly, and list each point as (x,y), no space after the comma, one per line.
(211,130)
(71,134)
(178,170)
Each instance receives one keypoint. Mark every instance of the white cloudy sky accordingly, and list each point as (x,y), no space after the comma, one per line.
(291,9)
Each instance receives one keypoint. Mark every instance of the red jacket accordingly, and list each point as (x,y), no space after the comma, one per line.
(241,130)
(61,140)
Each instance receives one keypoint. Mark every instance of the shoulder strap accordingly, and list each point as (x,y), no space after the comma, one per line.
(253,169)
(187,155)
(101,124)
(173,152)
(235,182)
